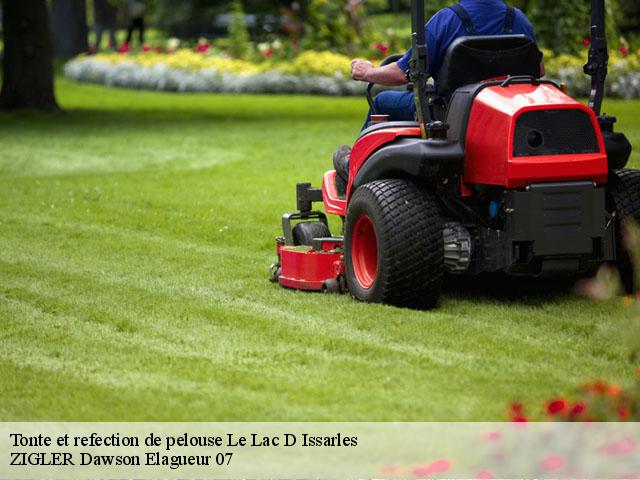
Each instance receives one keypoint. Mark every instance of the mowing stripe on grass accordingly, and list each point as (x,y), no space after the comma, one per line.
(133,284)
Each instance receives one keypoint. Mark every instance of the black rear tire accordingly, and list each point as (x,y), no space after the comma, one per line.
(305,232)
(394,247)
(624,192)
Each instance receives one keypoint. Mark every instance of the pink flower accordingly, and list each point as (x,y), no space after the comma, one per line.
(268,53)
(202,48)
(485,475)
(439,466)
(624,51)
(146,48)
(553,462)
(492,436)
(124,48)
(586,41)
(622,447)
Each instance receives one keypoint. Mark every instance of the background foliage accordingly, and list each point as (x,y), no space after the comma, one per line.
(346,24)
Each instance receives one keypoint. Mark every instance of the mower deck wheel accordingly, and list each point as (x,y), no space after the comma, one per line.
(394,247)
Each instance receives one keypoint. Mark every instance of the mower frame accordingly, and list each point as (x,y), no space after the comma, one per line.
(434,196)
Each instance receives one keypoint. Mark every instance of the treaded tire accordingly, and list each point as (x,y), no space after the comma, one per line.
(305,232)
(624,192)
(408,239)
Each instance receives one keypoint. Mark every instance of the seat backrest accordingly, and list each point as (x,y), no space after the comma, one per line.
(474,59)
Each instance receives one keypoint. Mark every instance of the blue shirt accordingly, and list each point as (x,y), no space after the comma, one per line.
(445,26)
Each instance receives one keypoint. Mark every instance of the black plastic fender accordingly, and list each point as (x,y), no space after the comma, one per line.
(413,158)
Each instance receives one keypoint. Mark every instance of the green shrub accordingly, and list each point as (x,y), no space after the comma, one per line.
(238,32)
(335,25)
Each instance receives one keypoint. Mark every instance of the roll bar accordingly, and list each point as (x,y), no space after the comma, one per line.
(598,65)
(419,63)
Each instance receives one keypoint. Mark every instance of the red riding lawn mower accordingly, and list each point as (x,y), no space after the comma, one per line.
(501,172)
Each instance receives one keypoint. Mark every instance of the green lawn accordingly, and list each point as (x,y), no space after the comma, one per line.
(136,230)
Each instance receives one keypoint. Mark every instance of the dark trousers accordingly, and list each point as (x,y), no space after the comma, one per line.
(136,24)
(399,105)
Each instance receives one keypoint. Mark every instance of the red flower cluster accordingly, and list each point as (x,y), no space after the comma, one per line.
(202,47)
(600,401)
(124,48)
(624,51)
(597,401)
(382,48)
(561,408)
(557,407)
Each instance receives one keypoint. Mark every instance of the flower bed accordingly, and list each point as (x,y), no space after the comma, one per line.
(321,73)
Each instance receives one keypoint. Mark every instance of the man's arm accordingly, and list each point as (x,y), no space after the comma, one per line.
(390,75)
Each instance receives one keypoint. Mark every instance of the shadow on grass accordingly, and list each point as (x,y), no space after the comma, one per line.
(514,290)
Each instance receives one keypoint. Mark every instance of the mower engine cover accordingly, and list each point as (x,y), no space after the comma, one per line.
(516,134)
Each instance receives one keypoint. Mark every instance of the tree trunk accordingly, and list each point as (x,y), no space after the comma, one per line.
(69,27)
(27,62)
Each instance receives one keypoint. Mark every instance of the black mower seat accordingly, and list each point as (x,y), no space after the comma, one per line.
(474,59)
(385,125)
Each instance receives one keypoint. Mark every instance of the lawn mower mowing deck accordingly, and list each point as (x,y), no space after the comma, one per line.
(502,171)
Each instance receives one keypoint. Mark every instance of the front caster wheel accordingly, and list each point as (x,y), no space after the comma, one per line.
(331,286)
(394,247)
(305,232)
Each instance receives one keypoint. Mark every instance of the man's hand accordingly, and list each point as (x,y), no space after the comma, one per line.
(389,75)
(359,69)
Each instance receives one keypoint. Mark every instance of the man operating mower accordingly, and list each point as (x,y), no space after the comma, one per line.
(467,18)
